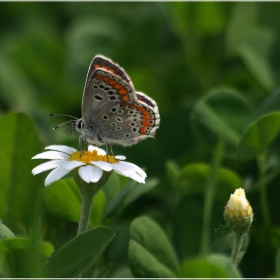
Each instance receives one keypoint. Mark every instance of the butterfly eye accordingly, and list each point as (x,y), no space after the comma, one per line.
(80,124)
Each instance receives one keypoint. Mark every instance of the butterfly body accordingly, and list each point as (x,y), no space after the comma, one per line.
(112,111)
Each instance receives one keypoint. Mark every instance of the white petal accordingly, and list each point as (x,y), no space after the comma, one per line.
(100,152)
(51,155)
(96,174)
(125,169)
(61,148)
(140,171)
(120,157)
(90,173)
(136,177)
(70,165)
(47,166)
(55,175)
(103,165)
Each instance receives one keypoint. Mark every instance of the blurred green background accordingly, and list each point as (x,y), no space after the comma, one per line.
(174,52)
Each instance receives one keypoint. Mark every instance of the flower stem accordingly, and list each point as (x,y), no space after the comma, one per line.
(88,191)
(87,199)
(210,189)
(236,247)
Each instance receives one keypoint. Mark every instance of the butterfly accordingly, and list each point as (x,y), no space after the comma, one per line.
(112,111)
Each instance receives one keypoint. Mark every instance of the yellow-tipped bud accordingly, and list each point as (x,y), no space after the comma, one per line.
(238,212)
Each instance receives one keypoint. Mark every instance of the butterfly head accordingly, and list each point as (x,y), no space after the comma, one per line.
(78,125)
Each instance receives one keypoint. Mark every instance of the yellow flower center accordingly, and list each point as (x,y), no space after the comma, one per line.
(88,156)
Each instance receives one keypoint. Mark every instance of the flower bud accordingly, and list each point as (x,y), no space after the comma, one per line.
(238,212)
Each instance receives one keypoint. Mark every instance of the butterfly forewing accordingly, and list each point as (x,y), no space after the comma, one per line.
(112,111)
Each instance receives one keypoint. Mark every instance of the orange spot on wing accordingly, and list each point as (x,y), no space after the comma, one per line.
(96,65)
(143,130)
(146,123)
(98,77)
(112,82)
(105,67)
(143,111)
(118,86)
(125,98)
(132,106)
(123,91)
(106,79)
(146,117)
(111,70)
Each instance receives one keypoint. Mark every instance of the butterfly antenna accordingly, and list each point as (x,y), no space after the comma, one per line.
(56,127)
(63,115)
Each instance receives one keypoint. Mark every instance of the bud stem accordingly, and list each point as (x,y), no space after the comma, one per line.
(210,190)
(236,248)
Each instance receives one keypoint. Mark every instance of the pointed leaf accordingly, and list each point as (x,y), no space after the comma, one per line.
(150,252)
(259,135)
(16,254)
(222,112)
(213,266)
(63,200)
(79,254)
(193,177)
(140,189)
(113,208)
(19,188)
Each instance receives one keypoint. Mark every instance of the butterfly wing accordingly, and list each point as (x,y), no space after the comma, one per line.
(100,61)
(112,109)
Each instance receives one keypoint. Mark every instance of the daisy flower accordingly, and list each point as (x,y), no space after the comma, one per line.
(91,164)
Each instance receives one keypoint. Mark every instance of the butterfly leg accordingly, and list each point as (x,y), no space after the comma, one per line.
(113,152)
(107,152)
(83,145)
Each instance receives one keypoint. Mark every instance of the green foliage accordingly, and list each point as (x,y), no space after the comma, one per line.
(212,117)
(17,253)
(150,252)
(214,266)
(213,69)
(79,254)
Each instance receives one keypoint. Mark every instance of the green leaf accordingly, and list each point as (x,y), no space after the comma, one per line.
(5,232)
(253,42)
(172,173)
(210,18)
(255,49)
(259,135)
(19,188)
(79,254)
(113,187)
(200,268)
(140,189)
(63,200)
(150,252)
(222,112)
(193,177)
(213,266)
(272,103)
(226,264)
(113,208)
(17,254)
